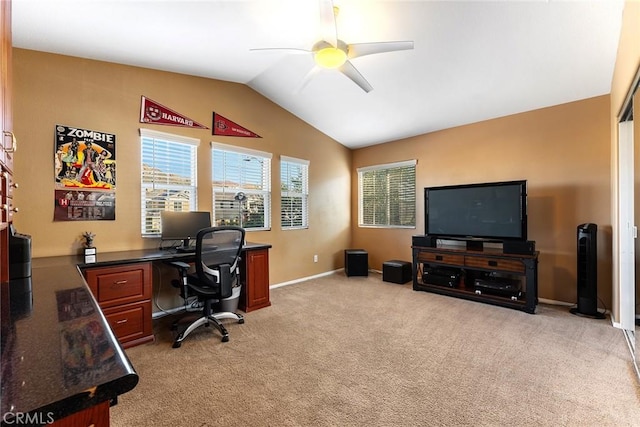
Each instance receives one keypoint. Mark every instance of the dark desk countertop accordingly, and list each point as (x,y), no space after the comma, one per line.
(59,355)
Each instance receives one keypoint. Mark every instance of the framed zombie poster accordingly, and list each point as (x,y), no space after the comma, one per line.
(85,174)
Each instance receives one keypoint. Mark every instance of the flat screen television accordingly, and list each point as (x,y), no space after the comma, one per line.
(491,212)
(183,226)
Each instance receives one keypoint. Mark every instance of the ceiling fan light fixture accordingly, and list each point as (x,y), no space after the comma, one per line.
(330,57)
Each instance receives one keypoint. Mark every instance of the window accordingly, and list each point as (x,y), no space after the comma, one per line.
(168,176)
(387,195)
(294,187)
(241,181)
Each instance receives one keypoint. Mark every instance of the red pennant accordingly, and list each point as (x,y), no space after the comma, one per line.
(157,114)
(225,127)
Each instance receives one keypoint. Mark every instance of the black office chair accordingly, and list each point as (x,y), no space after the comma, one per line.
(217,270)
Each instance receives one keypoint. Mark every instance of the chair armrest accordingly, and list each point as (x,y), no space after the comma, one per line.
(183,267)
(180,265)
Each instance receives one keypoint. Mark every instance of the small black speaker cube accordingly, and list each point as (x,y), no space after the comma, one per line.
(356,262)
(395,271)
(519,247)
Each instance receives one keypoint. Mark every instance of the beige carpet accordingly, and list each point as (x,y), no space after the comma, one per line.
(358,351)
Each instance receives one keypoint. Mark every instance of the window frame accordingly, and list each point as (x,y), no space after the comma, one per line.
(379,168)
(304,195)
(146,221)
(265,192)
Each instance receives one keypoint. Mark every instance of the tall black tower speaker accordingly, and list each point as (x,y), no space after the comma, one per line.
(587,272)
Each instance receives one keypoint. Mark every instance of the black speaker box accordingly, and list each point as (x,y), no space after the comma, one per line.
(396,271)
(424,241)
(587,272)
(356,262)
(520,247)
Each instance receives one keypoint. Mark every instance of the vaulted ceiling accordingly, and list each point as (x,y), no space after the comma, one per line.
(472,60)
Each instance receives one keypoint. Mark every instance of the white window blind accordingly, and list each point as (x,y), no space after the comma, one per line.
(294,187)
(168,176)
(387,195)
(241,182)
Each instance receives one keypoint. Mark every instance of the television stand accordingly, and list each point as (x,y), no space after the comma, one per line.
(475,265)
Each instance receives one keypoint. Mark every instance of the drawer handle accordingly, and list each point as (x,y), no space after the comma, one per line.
(120,322)
(438,257)
(120,282)
(8,209)
(493,263)
(14,141)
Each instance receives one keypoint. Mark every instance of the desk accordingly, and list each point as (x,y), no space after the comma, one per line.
(44,376)
(43,379)
(122,284)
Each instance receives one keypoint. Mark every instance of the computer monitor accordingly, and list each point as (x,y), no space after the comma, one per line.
(183,226)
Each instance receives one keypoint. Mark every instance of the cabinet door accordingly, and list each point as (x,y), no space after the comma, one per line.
(8,140)
(96,416)
(256,283)
(6,157)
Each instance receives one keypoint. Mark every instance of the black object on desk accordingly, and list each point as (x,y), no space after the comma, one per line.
(19,254)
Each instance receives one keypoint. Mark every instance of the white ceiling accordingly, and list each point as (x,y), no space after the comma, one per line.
(472,60)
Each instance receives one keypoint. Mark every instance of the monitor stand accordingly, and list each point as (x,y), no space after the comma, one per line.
(185,247)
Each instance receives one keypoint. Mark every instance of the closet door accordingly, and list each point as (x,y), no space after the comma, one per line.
(627,230)
(636,168)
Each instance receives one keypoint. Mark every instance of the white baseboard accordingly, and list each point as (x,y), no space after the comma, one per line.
(554,302)
(304,279)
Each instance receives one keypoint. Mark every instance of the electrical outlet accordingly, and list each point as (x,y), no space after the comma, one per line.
(315,258)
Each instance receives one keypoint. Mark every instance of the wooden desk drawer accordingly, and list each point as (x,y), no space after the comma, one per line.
(441,258)
(120,284)
(494,264)
(131,322)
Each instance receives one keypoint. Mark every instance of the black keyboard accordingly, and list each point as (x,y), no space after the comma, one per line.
(185,250)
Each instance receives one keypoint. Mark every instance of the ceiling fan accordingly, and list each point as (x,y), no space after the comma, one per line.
(332,53)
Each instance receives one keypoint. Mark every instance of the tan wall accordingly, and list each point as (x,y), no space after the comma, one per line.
(562,152)
(626,67)
(53,89)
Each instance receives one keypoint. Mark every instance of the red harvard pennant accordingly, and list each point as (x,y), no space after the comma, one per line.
(152,112)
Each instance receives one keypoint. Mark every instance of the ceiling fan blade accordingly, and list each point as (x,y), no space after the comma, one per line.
(288,49)
(329,27)
(350,71)
(307,78)
(361,49)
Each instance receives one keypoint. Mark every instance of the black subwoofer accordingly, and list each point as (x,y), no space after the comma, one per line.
(356,262)
(587,272)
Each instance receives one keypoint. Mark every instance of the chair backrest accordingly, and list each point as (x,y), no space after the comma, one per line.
(218,256)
